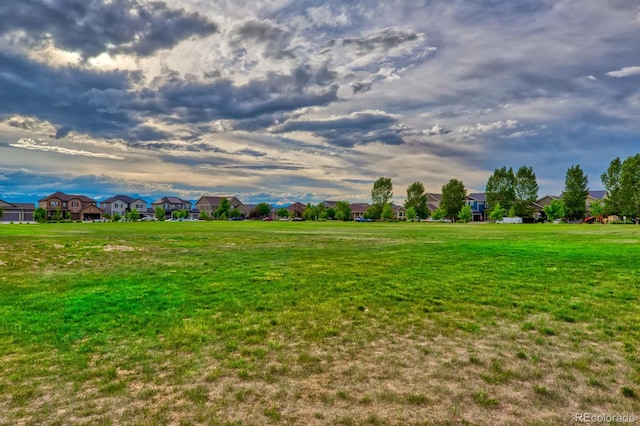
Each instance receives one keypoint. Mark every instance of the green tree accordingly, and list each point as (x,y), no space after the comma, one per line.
(611,181)
(453,196)
(465,213)
(183,214)
(40,215)
(224,208)
(630,186)
(204,215)
(411,213)
(133,215)
(116,217)
(417,198)
(1,212)
(526,191)
(331,213)
(438,214)
(263,209)
(597,209)
(160,213)
(343,210)
(310,212)
(497,213)
(381,194)
(373,212)
(387,212)
(175,214)
(501,188)
(282,212)
(235,212)
(575,193)
(554,210)
(512,211)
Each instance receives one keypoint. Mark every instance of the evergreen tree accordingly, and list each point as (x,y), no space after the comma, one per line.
(575,193)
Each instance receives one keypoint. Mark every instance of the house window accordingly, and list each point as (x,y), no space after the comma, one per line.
(74,204)
(54,204)
(64,204)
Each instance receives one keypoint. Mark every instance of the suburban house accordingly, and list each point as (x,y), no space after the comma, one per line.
(399,212)
(296,209)
(478,203)
(123,204)
(16,212)
(76,207)
(596,196)
(540,204)
(358,209)
(433,201)
(210,203)
(174,204)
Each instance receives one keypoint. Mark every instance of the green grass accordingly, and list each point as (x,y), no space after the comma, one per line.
(257,323)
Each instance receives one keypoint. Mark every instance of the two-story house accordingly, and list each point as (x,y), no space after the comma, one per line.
(75,207)
(172,204)
(123,204)
(210,204)
(478,203)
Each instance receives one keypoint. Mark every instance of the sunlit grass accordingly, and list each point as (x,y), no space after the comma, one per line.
(324,323)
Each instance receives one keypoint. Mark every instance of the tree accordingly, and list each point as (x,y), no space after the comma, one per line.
(159,213)
(235,212)
(343,210)
(453,196)
(282,212)
(263,209)
(381,194)
(224,208)
(309,212)
(497,213)
(630,186)
(465,213)
(417,199)
(133,215)
(411,214)
(575,193)
(40,215)
(175,214)
(597,210)
(611,181)
(331,213)
(387,212)
(1,212)
(438,214)
(373,212)
(526,191)
(116,217)
(501,188)
(183,214)
(554,210)
(204,215)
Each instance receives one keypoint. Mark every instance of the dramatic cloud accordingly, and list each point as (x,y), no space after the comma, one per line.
(624,72)
(92,27)
(43,146)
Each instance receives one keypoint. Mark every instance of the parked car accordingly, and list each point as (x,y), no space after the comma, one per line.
(298,219)
(267,219)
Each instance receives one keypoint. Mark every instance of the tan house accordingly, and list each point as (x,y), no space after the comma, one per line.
(75,207)
(172,204)
(210,204)
(358,209)
(399,212)
(16,212)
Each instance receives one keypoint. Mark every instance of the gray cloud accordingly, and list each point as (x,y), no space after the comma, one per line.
(92,27)
(273,38)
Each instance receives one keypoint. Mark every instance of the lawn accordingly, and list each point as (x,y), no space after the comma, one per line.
(318,323)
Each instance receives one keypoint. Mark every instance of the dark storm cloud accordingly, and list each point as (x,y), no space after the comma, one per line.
(348,131)
(63,131)
(71,97)
(384,39)
(360,87)
(92,27)
(271,37)
(197,102)
(251,152)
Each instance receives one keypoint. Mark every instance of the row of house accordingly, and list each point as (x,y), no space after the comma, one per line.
(80,207)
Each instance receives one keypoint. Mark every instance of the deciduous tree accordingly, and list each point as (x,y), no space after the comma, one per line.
(501,188)
(263,209)
(381,193)
(497,212)
(160,213)
(465,213)
(630,186)
(611,181)
(417,198)
(554,210)
(526,191)
(453,196)
(343,210)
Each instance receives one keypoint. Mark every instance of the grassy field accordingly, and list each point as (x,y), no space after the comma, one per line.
(317,323)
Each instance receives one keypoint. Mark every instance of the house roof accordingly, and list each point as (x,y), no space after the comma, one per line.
(359,207)
(16,206)
(215,200)
(297,206)
(598,195)
(171,200)
(66,197)
(124,198)
(329,204)
(437,197)
(478,196)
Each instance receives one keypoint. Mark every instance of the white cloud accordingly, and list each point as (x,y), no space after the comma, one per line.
(31,144)
(624,72)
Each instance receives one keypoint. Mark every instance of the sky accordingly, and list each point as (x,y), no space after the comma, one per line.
(283,101)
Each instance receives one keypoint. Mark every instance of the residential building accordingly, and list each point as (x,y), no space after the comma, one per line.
(296,209)
(358,209)
(433,201)
(75,207)
(478,203)
(210,204)
(123,204)
(16,212)
(173,204)
(399,212)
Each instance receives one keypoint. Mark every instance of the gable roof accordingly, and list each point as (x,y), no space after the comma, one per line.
(359,207)
(478,196)
(171,200)
(124,198)
(598,195)
(434,196)
(67,197)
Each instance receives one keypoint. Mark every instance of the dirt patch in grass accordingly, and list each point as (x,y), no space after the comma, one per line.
(110,247)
